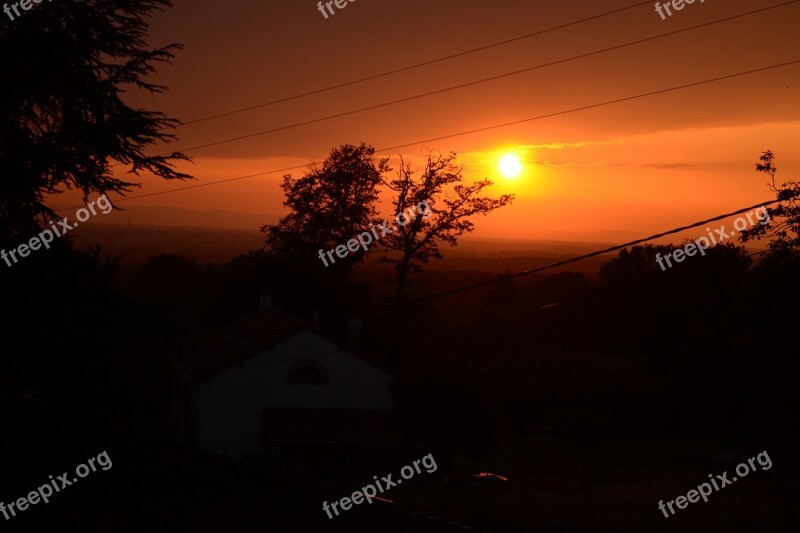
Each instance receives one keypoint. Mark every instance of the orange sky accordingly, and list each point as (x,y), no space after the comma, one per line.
(639,166)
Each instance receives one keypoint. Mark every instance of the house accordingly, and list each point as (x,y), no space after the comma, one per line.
(271,385)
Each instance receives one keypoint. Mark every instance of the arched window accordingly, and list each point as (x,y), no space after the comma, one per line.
(307,373)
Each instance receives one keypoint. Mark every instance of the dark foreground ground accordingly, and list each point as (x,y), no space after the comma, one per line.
(568,485)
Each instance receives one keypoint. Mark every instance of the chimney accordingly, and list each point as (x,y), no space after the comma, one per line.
(354,334)
(266,298)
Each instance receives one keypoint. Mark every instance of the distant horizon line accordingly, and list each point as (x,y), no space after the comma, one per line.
(465,239)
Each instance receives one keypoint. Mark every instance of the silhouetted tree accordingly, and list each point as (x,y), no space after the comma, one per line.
(329,206)
(638,298)
(633,265)
(64,121)
(450,204)
(783,227)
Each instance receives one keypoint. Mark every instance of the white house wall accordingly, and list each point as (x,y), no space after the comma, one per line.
(230,404)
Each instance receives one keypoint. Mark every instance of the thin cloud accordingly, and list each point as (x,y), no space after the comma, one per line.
(668,166)
(553,146)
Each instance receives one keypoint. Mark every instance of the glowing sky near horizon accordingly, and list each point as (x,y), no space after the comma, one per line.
(641,166)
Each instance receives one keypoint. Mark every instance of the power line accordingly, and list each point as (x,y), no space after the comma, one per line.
(417,65)
(574,259)
(499,279)
(592,106)
(543,307)
(475,82)
(426,333)
(452,135)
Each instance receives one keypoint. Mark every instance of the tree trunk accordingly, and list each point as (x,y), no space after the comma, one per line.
(399,314)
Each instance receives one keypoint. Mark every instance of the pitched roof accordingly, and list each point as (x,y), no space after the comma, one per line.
(209,354)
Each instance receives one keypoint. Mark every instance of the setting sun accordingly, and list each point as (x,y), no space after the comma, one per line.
(510,166)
